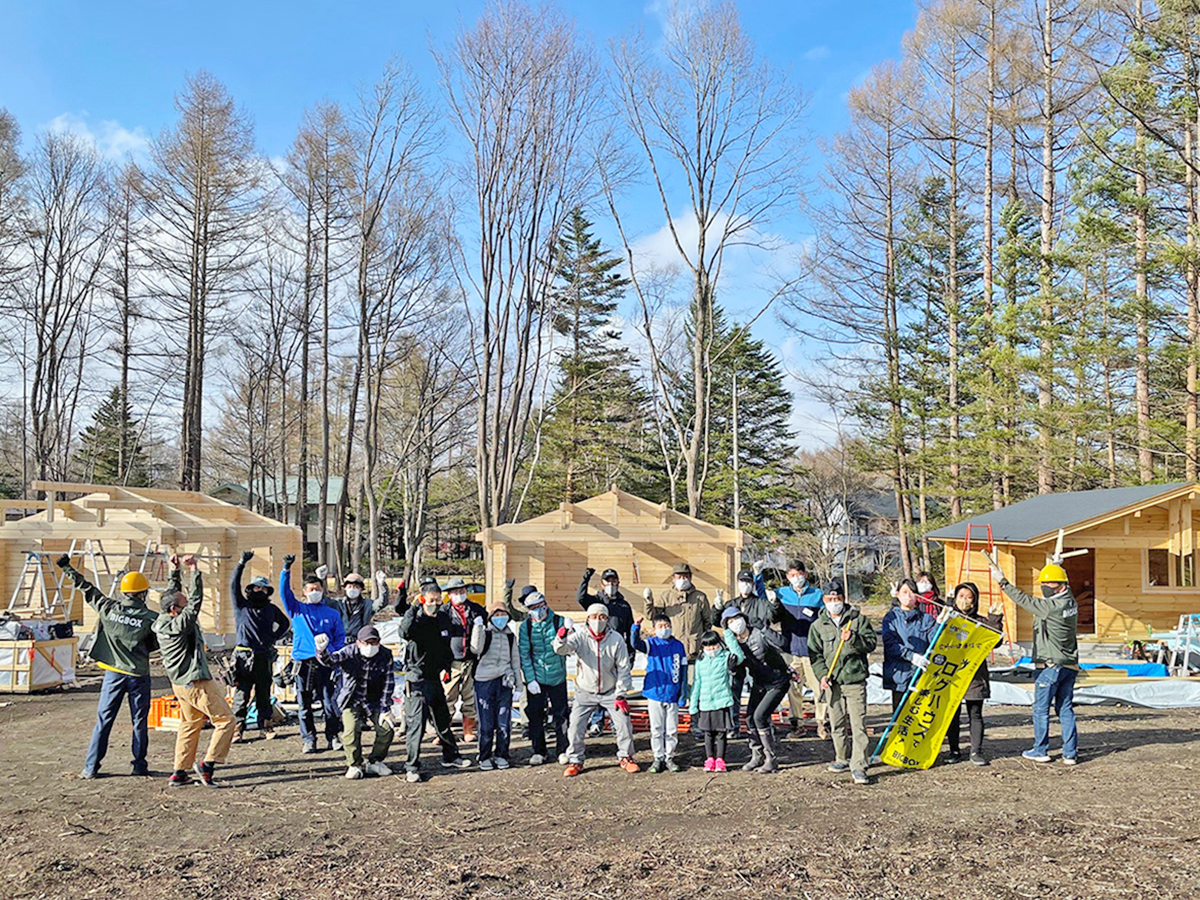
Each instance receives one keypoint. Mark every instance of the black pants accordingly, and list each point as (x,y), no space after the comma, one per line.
(253,677)
(553,696)
(714,744)
(425,700)
(897,699)
(764,700)
(975,723)
(738,684)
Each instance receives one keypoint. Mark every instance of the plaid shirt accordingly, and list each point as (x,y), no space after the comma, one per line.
(367,684)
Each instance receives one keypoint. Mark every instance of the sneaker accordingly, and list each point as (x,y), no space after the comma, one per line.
(595,730)
(309,747)
(572,770)
(978,759)
(1070,761)
(501,762)
(537,759)
(1034,756)
(658,766)
(719,766)
(179,778)
(136,771)
(460,762)
(838,767)
(563,759)
(860,777)
(335,743)
(353,773)
(379,769)
(710,765)
(268,732)
(954,756)
(486,765)
(629,766)
(412,777)
(205,771)
(673,766)
(89,774)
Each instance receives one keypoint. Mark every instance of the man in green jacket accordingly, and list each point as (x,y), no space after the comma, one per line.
(838,645)
(1056,655)
(124,642)
(200,696)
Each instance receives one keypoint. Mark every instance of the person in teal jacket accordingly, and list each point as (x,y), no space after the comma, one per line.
(545,674)
(712,698)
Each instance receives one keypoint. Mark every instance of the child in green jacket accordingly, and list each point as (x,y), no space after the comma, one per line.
(712,698)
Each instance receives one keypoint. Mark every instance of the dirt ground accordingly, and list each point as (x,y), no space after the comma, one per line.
(1121,824)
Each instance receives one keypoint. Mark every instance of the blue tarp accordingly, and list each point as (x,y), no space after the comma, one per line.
(1133,668)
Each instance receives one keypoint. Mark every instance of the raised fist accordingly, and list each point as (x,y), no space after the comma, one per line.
(247,555)
(647,595)
(189,561)
(321,641)
(173,559)
(63,561)
(509,582)
(322,572)
(288,560)
(757,567)
(588,573)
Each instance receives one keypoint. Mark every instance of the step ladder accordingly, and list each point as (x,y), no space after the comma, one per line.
(39,589)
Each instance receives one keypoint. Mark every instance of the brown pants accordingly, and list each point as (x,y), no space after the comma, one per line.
(461,686)
(803,665)
(200,701)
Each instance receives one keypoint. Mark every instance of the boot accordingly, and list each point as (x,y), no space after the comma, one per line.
(756,759)
(769,765)
(238,730)
(468,730)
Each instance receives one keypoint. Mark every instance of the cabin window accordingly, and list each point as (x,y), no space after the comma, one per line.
(1166,571)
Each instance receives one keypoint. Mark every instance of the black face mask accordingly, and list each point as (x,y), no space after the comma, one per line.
(256,598)
(1048,592)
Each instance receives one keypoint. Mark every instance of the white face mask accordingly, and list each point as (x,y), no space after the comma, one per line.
(611,589)
(313,596)
(796,581)
(368,650)
(710,652)
(835,607)
(738,626)
(598,626)
(745,588)
(458,599)
(663,633)
(924,587)
(353,593)
(682,584)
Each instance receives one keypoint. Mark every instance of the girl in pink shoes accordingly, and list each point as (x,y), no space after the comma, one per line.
(712,698)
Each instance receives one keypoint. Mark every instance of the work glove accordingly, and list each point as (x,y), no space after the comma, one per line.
(720,597)
(996,608)
(508,682)
(796,677)
(63,561)
(771,595)
(247,555)
(562,633)
(920,660)
(648,595)
(321,641)
(534,688)
(322,572)
(388,719)
(622,704)
(288,560)
(994,565)
(589,572)
(445,677)
(510,583)
(757,567)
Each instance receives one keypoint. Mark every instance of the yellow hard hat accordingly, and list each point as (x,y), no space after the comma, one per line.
(134,583)
(1053,573)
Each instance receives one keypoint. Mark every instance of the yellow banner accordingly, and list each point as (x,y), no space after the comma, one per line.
(920,725)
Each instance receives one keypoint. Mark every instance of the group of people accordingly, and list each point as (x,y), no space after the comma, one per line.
(700,655)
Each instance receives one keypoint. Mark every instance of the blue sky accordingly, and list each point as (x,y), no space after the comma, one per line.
(112,68)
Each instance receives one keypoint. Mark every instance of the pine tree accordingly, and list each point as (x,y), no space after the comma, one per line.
(111,451)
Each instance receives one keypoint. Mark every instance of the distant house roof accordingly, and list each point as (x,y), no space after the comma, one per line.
(1045,514)
(292,489)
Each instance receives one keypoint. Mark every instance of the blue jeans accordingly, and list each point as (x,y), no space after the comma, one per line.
(1057,684)
(317,683)
(113,689)
(493,702)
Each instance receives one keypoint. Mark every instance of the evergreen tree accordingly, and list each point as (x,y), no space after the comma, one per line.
(111,451)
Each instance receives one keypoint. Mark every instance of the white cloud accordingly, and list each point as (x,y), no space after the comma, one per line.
(818,53)
(111,139)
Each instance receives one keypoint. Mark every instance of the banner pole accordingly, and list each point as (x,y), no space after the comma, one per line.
(912,683)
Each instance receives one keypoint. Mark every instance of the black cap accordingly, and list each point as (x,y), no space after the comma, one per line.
(527,590)
(429,581)
(610,575)
(835,586)
(368,633)
(746,575)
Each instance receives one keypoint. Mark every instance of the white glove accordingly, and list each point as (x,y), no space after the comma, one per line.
(321,641)
(322,572)
(647,594)
(534,688)
(994,565)
(920,660)
(387,719)
(758,567)
(771,595)
(507,681)
(381,576)
(720,596)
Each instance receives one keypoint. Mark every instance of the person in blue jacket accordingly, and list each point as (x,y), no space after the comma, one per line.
(310,617)
(664,687)
(907,633)
(801,604)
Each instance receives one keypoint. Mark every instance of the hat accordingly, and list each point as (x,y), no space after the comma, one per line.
(746,575)
(429,581)
(681,569)
(368,633)
(454,583)
(610,575)
(597,609)
(533,598)
(731,612)
(835,586)
(262,582)
(353,578)
(527,590)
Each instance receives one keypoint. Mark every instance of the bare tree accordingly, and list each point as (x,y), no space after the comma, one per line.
(202,196)
(706,113)
(11,199)
(523,93)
